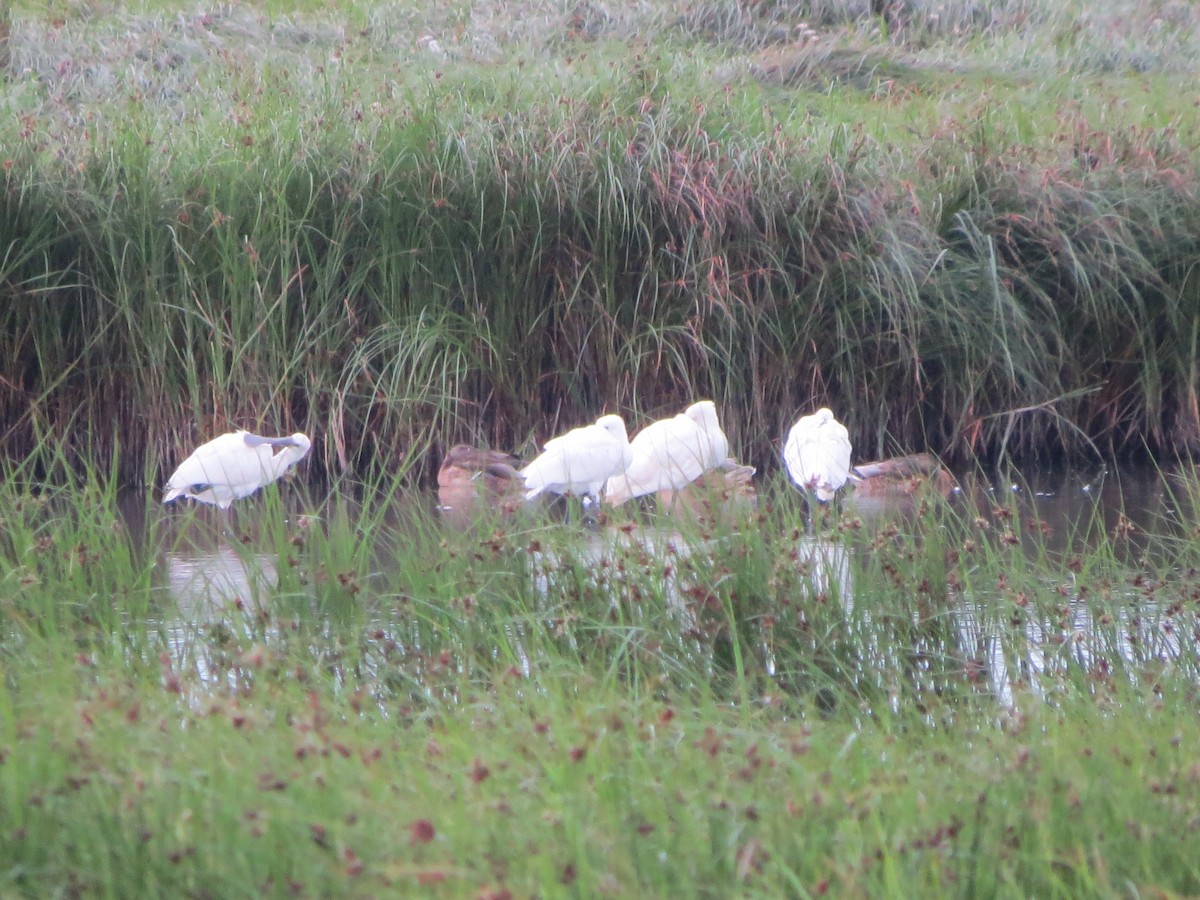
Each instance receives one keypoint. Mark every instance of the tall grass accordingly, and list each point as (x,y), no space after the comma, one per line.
(493,246)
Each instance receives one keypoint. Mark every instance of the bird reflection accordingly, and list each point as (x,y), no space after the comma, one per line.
(202,582)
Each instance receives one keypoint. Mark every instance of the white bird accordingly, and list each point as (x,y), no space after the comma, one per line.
(671,453)
(234,465)
(817,454)
(580,461)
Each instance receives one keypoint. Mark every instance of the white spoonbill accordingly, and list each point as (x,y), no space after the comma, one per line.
(817,454)
(580,461)
(671,453)
(233,466)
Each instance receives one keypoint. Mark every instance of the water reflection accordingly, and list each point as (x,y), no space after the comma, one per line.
(215,592)
(636,569)
(824,566)
(203,583)
(1036,653)
(1074,508)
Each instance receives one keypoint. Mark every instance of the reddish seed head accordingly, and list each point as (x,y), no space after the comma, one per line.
(354,865)
(421,831)
(479,772)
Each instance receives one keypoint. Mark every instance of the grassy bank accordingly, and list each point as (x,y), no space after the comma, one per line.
(365,702)
(970,231)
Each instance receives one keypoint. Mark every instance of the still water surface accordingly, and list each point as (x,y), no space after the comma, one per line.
(207,577)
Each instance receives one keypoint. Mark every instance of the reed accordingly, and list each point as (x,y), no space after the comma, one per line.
(495,245)
(970,228)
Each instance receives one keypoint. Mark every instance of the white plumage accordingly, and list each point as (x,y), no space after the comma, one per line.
(234,465)
(817,454)
(671,453)
(580,461)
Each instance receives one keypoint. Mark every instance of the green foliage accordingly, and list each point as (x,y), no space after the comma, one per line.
(970,227)
(327,696)
(943,225)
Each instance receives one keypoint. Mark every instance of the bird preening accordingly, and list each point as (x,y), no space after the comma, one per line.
(670,454)
(816,455)
(233,466)
(580,461)
(471,479)
(683,460)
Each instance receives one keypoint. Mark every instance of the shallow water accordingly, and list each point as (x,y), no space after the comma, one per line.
(214,581)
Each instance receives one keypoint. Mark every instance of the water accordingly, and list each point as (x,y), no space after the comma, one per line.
(975,638)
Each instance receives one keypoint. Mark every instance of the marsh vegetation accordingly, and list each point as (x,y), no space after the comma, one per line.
(324,697)
(973,234)
(969,228)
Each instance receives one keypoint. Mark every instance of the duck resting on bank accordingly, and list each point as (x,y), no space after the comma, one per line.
(901,476)
(469,476)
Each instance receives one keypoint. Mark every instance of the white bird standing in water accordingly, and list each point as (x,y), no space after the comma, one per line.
(817,455)
(233,466)
(580,461)
(671,453)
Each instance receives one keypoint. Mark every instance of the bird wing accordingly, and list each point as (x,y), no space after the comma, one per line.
(665,455)
(715,443)
(644,474)
(579,461)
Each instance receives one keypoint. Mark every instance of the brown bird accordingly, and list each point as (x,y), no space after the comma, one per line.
(900,476)
(720,493)
(471,478)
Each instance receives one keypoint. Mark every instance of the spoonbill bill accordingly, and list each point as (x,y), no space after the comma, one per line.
(233,466)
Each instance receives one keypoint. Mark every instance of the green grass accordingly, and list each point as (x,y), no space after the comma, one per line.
(969,228)
(370,701)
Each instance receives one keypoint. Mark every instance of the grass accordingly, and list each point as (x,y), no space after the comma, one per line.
(362,699)
(968,228)
(971,229)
